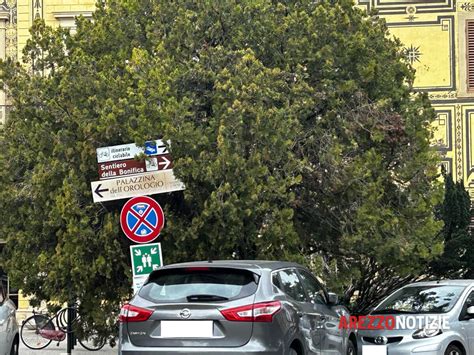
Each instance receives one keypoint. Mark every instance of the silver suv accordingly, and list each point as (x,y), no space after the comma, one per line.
(9,339)
(234,307)
(429,318)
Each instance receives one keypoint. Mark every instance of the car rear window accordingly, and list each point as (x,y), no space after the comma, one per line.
(176,285)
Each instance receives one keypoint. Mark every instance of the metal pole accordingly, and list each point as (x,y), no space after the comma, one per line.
(70,336)
(73,334)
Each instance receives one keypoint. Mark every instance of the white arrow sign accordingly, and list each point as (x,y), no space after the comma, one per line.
(156,182)
(165,162)
(139,268)
(154,251)
(138,252)
(129,151)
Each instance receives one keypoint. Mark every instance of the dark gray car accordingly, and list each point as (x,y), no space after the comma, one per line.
(234,307)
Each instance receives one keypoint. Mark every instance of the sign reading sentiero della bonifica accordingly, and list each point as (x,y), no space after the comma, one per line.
(140,185)
(116,169)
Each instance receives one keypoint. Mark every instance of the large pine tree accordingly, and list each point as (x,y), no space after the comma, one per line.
(457,260)
(293,125)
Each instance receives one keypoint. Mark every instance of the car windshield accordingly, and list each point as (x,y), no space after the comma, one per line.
(421,299)
(199,285)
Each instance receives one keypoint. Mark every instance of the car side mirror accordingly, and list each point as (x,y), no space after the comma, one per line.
(333,300)
(470,312)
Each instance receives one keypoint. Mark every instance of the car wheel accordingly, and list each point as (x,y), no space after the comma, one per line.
(351,349)
(14,350)
(453,350)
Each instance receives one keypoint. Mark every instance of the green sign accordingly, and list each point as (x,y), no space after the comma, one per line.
(146,258)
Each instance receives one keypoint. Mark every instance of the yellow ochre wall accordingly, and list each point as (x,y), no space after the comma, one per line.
(433,35)
(50,11)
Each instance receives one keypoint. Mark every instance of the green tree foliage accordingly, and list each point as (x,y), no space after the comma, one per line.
(370,204)
(455,211)
(293,127)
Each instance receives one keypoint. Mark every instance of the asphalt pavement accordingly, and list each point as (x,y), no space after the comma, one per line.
(52,349)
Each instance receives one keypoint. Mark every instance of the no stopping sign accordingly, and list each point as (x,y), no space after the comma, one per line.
(142,219)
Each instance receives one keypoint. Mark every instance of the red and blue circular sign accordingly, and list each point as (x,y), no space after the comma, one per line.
(142,219)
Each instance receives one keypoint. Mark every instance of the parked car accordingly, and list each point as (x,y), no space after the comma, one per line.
(9,339)
(234,307)
(445,310)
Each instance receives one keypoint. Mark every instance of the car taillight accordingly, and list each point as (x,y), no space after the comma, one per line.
(258,312)
(130,313)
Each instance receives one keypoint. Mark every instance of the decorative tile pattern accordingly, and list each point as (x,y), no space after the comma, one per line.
(442,128)
(458,143)
(37,9)
(467,6)
(412,54)
(393,7)
(440,96)
(11,42)
(411,11)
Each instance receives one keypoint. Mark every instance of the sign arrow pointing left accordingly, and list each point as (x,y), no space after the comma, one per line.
(99,191)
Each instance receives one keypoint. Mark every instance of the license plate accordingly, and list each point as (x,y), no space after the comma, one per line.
(374,349)
(186,329)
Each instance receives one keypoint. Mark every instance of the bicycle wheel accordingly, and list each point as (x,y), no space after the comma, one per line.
(30,332)
(92,341)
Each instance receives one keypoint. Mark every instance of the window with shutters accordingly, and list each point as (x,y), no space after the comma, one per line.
(470,55)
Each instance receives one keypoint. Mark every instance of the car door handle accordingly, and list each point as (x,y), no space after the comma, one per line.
(300,314)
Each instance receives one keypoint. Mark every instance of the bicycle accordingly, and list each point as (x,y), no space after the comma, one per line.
(39,330)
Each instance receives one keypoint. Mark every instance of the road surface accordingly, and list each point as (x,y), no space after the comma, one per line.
(52,349)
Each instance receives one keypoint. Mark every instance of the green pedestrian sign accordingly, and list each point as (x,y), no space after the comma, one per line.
(146,258)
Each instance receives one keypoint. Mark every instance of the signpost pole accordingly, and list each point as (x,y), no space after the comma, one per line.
(70,335)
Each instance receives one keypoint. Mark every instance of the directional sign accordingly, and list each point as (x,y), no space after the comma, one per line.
(129,151)
(145,184)
(146,258)
(142,219)
(116,169)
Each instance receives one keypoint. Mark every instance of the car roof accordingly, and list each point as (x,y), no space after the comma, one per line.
(443,282)
(253,265)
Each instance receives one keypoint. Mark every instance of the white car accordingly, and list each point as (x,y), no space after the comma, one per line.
(429,318)
(9,338)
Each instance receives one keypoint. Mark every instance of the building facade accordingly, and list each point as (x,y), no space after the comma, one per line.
(438,40)
(17,16)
